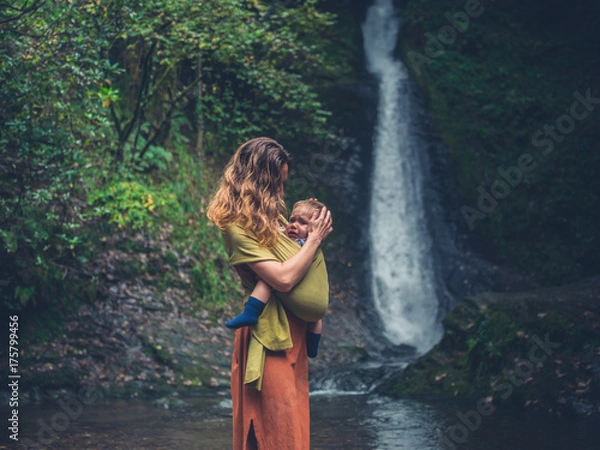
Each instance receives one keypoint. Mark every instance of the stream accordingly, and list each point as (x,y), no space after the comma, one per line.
(338,421)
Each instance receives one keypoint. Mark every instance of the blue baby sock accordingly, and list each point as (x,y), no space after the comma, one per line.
(312,344)
(249,316)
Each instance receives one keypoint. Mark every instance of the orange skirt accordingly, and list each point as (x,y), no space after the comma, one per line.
(278,416)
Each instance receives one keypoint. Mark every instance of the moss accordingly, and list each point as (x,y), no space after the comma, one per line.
(358,352)
(128,269)
(158,353)
(128,244)
(153,266)
(210,281)
(56,378)
(170,259)
(196,373)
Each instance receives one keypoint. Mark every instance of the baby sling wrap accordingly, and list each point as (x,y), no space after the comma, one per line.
(308,300)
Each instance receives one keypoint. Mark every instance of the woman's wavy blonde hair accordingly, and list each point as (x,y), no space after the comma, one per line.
(249,192)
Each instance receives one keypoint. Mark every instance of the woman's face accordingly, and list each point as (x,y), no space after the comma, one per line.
(284,174)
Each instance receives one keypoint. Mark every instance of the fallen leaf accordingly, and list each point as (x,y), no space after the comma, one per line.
(440,377)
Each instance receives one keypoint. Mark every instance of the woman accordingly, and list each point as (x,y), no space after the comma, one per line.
(269,375)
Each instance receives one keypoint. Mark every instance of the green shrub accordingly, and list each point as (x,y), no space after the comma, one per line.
(130,204)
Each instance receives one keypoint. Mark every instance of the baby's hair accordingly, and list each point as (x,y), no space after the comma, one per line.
(309,205)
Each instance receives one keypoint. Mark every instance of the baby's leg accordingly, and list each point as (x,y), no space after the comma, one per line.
(313,337)
(261,292)
(254,307)
(315,327)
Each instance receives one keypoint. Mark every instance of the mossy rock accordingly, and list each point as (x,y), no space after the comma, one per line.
(56,378)
(538,349)
(128,269)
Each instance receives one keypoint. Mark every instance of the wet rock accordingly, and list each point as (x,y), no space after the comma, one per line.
(170,403)
(538,350)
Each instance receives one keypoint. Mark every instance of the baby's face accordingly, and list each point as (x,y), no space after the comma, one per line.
(297,227)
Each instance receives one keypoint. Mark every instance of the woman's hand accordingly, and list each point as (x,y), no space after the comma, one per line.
(320,225)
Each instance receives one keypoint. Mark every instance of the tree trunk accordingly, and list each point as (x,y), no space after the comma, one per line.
(199,113)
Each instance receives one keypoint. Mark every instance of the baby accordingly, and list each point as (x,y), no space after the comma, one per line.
(296,229)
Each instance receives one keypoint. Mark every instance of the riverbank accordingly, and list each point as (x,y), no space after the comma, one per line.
(140,339)
(537,350)
(143,339)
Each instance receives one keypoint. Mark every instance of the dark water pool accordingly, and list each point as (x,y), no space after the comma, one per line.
(339,421)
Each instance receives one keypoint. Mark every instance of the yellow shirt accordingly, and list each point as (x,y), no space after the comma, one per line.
(308,300)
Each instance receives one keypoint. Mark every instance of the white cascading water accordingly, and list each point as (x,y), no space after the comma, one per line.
(403,280)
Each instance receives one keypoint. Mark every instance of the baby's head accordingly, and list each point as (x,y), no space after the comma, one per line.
(302,212)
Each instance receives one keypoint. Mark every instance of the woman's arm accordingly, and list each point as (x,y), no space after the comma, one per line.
(283,276)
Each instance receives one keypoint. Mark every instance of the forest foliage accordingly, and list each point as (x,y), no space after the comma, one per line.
(110,111)
(514,89)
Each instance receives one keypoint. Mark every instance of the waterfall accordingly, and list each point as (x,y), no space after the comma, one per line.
(401,261)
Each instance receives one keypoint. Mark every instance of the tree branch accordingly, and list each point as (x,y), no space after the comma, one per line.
(167,117)
(5,7)
(128,128)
